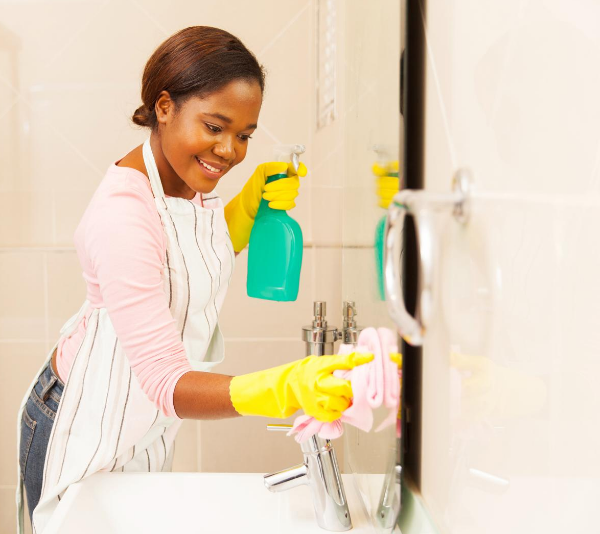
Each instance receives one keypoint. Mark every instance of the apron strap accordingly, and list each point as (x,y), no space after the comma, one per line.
(155,183)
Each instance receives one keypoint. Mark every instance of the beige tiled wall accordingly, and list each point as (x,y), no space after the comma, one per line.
(69,80)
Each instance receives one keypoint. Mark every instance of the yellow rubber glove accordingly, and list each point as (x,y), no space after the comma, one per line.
(306,384)
(241,211)
(387,186)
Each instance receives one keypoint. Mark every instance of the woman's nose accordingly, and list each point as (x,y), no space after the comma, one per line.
(224,150)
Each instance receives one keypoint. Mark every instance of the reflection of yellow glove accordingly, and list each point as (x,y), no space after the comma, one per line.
(396,357)
(306,384)
(493,390)
(241,211)
(387,186)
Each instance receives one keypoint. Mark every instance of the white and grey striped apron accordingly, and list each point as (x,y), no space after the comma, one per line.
(105,422)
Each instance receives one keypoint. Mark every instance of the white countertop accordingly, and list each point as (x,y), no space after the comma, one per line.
(125,503)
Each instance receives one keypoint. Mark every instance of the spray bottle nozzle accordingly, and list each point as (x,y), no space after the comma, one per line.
(289,153)
(385,152)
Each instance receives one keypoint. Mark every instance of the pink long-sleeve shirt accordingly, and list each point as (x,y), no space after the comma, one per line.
(121,246)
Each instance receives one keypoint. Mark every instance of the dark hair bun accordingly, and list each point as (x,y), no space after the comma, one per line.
(142,117)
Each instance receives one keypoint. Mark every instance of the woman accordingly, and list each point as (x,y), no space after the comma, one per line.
(157,249)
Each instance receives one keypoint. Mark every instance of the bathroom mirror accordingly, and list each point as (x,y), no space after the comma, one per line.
(373,137)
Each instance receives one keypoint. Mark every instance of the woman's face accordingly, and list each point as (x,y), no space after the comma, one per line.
(207,137)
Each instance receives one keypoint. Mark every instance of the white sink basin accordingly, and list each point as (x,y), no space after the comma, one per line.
(191,502)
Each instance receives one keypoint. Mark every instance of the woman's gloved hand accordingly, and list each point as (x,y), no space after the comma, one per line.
(306,384)
(241,211)
(387,185)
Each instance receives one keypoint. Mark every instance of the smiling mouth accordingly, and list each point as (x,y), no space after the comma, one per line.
(209,169)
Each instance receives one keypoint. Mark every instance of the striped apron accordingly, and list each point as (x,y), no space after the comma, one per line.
(105,422)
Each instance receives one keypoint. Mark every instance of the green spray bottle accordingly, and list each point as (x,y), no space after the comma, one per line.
(385,154)
(276,244)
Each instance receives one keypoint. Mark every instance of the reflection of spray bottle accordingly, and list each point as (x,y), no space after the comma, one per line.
(386,167)
(275,247)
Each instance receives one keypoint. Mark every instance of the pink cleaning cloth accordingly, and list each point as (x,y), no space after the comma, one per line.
(390,371)
(373,384)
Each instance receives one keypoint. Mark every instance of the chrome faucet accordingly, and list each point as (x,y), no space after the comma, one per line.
(320,469)
(321,473)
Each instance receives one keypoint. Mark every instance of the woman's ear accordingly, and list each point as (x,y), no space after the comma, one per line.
(163,107)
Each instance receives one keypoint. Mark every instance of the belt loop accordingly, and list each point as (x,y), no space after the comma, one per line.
(46,389)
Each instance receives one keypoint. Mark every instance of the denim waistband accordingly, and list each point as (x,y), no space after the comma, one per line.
(49,381)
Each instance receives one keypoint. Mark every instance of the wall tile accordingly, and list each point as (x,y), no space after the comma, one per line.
(247,317)
(8,512)
(19,362)
(22,290)
(47,35)
(27,218)
(185,458)
(70,207)
(248,356)
(328,158)
(328,270)
(71,152)
(327,213)
(288,87)
(246,21)
(66,289)
(360,285)
(361,213)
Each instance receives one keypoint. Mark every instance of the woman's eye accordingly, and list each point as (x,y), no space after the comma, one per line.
(245,137)
(213,128)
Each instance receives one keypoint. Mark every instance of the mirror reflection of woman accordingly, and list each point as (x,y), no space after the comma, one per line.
(157,247)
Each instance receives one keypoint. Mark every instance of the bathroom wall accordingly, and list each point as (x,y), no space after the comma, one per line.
(510,362)
(69,80)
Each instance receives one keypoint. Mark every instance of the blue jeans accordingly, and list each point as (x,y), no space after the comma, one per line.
(36,424)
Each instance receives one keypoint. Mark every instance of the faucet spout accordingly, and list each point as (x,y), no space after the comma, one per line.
(321,473)
(287,478)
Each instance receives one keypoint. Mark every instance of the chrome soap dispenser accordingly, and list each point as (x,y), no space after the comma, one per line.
(319,338)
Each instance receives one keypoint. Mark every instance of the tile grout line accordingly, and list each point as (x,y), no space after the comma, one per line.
(49,249)
(313,269)
(284,29)
(46,291)
(9,108)
(76,35)
(260,339)
(312,138)
(198,446)
(228,339)
(53,250)
(311,134)
(20,340)
(53,215)
(269,133)
(150,17)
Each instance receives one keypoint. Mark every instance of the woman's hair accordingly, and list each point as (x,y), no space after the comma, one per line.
(196,61)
